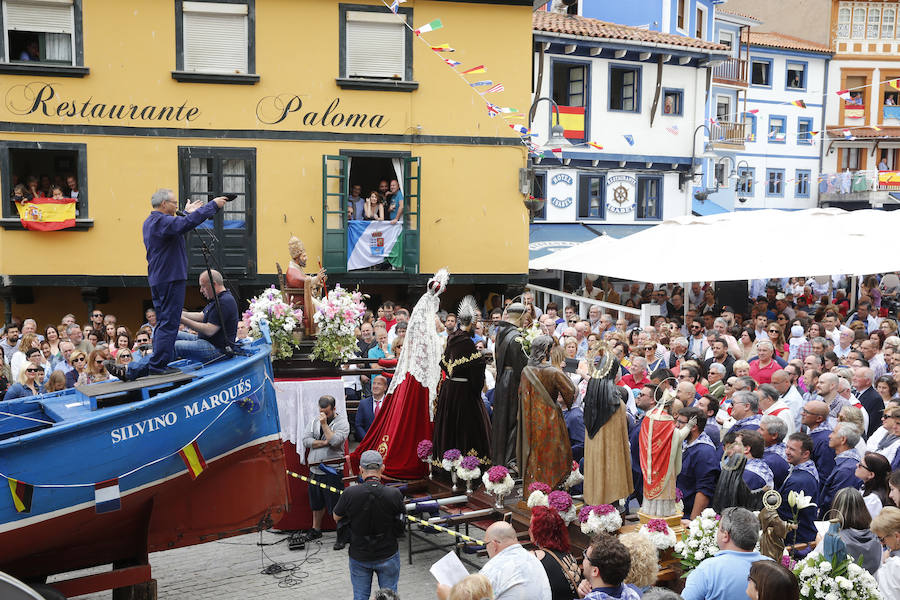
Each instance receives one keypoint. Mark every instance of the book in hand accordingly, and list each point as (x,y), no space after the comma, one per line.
(449,570)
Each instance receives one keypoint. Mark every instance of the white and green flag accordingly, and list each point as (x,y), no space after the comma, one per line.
(373,242)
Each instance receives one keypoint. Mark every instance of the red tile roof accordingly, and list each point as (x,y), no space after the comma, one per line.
(582,26)
(736,14)
(780,40)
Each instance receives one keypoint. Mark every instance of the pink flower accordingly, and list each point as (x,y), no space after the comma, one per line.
(658,525)
(679,495)
(497,473)
(559,500)
(537,486)
(604,509)
(452,454)
(470,463)
(584,513)
(574,465)
(423,450)
(787,562)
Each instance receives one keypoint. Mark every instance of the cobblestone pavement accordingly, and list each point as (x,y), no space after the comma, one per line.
(231,569)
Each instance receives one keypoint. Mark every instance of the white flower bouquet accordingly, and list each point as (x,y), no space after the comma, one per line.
(451,459)
(282,319)
(603,518)
(468,468)
(337,317)
(659,533)
(575,477)
(538,494)
(821,579)
(497,481)
(527,336)
(562,503)
(700,541)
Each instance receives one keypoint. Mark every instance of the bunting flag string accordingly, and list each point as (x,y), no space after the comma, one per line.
(481,83)
(433,26)
(395,5)
(443,48)
(496,88)
(474,70)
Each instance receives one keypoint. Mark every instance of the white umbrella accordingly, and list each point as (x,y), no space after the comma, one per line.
(742,245)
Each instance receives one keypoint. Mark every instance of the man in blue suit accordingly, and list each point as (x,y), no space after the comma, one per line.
(370,405)
(802,477)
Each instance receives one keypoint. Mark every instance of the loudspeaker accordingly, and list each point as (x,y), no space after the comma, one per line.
(733,294)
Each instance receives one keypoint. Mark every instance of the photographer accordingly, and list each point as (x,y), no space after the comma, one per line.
(325,437)
(374,515)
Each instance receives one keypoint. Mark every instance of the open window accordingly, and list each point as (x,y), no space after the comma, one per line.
(40,167)
(649,197)
(591,196)
(796,76)
(673,102)
(761,72)
(570,86)
(42,36)
(624,88)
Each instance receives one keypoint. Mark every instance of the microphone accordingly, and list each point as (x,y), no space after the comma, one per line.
(180,213)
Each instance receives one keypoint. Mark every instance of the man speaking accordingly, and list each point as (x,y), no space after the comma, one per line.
(167,272)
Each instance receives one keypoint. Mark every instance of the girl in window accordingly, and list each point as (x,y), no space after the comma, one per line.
(374,209)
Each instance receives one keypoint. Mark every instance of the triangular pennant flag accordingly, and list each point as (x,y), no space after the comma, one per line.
(876,127)
(507,109)
(107,497)
(673,129)
(482,83)
(443,48)
(395,5)
(473,70)
(519,128)
(21,494)
(593,145)
(433,26)
(799,103)
(813,133)
(192,457)
(452,63)
(844,94)
(847,134)
(713,121)
(496,88)
(493,110)
(629,139)
(753,111)
(556,152)
(894,83)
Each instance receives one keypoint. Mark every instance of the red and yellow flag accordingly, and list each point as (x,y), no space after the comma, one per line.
(47,214)
(191,456)
(572,120)
(21,494)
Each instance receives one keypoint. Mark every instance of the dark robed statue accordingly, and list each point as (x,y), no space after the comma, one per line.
(510,360)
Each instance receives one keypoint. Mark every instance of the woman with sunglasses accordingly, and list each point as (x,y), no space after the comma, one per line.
(775,332)
(769,580)
(95,372)
(28,384)
(78,360)
(873,470)
(887,527)
(5,374)
(124,356)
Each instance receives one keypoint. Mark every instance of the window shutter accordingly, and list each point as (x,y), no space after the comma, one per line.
(45,17)
(215,37)
(376,46)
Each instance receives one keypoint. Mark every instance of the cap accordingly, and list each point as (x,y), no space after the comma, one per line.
(797,331)
(371,459)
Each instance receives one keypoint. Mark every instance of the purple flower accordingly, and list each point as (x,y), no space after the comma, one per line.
(537,486)
(658,525)
(497,473)
(787,562)
(452,454)
(470,463)
(679,495)
(423,450)
(604,509)
(584,513)
(559,500)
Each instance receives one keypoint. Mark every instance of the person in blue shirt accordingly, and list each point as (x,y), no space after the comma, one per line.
(710,406)
(646,399)
(394,203)
(814,415)
(214,337)
(605,566)
(356,204)
(757,473)
(574,417)
(745,410)
(773,429)
(802,477)
(724,576)
(699,463)
(167,272)
(843,441)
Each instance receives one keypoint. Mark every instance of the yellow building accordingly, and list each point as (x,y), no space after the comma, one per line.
(283,102)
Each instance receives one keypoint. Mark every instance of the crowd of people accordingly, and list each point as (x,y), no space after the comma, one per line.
(382,204)
(32,186)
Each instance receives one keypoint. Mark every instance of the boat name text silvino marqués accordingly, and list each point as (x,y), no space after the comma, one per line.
(139,428)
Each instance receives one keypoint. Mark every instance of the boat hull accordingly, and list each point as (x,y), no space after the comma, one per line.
(242,489)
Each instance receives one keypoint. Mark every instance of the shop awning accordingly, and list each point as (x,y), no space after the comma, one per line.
(546,238)
(706,208)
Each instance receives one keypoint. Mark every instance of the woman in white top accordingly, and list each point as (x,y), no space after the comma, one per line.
(887,527)
(18,360)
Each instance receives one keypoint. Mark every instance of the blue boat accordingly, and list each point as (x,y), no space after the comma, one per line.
(108,472)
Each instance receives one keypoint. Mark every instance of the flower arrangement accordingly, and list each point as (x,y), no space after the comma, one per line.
(798,501)
(282,319)
(424,449)
(337,317)
(562,503)
(833,580)
(527,336)
(603,518)
(469,468)
(679,500)
(700,541)
(452,458)
(497,481)
(537,494)
(659,533)
(575,477)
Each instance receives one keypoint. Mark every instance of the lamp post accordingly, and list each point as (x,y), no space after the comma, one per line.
(556,139)
(707,153)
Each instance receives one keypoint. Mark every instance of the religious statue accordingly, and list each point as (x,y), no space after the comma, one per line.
(461,420)
(772,529)
(607,454)
(510,359)
(660,453)
(300,282)
(542,445)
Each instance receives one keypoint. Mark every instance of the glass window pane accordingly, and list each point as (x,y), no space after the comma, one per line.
(874,22)
(859,23)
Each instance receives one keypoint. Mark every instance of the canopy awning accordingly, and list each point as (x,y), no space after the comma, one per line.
(547,238)
(706,208)
(742,245)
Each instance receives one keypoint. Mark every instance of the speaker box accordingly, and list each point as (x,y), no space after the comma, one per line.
(733,294)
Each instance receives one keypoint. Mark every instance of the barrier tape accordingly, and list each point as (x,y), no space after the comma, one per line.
(439,528)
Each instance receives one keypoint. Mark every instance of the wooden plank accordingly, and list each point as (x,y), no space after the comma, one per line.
(121,387)
(103,581)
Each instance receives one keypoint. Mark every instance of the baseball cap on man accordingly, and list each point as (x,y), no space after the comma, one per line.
(371,459)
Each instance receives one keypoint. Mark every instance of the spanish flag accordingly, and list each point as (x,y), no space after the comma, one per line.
(572,120)
(191,456)
(21,494)
(47,214)
(799,103)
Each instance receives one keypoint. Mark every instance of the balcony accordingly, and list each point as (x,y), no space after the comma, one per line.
(727,135)
(731,72)
(874,188)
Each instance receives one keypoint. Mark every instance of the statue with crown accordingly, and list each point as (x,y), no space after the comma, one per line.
(300,288)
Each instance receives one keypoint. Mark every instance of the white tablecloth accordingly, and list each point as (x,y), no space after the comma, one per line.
(298,405)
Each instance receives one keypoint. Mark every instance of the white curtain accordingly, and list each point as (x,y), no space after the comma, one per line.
(58,47)
(398,170)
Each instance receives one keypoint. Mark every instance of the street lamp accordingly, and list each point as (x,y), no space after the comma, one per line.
(557,138)
(708,152)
